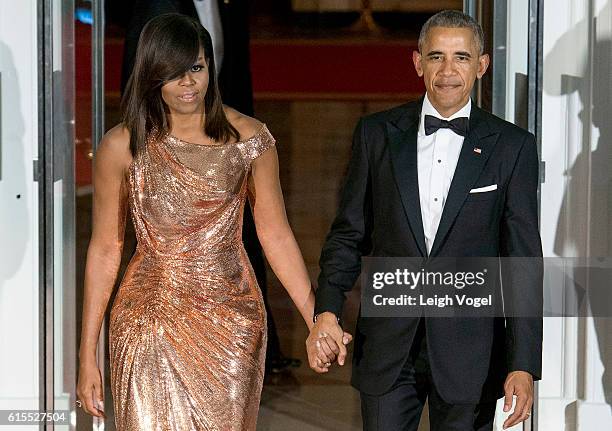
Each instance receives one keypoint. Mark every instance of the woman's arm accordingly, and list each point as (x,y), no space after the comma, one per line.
(275,235)
(284,255)
(103,253)
(106,244)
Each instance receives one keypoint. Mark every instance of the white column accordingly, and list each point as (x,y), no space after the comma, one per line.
(19,323)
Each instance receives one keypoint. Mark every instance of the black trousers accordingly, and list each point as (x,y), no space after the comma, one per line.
(400,408)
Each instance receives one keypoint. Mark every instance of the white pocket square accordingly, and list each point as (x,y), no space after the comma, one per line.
(484,189)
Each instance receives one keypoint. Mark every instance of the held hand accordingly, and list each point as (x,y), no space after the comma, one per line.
(519,383)
(89,389)
(328,346)
(325,351)
(326,342)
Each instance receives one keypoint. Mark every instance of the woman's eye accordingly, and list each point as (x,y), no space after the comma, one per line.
(197,68)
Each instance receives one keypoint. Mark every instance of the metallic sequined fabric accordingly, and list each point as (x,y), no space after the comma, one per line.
(188,325)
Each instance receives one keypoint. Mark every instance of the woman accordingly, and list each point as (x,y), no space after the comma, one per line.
(187,328)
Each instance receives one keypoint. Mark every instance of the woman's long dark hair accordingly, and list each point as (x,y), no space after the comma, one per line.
(168,47)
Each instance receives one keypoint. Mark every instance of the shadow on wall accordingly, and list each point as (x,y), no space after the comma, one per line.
(14,219)
(584,226)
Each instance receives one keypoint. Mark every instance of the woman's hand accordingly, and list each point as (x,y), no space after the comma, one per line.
(323,346)
(324,352)
(89,389)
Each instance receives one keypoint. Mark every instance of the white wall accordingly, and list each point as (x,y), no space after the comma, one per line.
(577,204)
(19,353)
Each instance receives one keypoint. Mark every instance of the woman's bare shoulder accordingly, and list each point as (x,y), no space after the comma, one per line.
(115,146)
(246,126)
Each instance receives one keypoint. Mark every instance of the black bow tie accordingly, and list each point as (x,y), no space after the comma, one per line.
(458,125)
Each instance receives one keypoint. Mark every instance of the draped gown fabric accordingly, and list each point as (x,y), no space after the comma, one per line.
(188,325)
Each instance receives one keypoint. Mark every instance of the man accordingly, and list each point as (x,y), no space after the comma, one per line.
(228,24)
(410,192)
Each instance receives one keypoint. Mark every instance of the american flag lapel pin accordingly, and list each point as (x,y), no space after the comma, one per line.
(477,150)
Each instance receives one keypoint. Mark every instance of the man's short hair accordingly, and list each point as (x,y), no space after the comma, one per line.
(453,19)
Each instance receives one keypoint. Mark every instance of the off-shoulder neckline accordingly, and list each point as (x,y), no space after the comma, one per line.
(244,141)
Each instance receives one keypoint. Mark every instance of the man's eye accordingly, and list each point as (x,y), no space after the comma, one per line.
(436,57)
(462,58)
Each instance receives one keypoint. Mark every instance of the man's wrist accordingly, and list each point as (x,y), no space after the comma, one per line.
(521,372)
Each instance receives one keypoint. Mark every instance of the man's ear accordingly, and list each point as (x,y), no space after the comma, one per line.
(483,65)
(416,59)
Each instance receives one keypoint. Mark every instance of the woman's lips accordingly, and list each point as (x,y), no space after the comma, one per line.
(188,97)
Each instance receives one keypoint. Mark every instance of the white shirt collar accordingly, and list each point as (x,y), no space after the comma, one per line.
(428,109)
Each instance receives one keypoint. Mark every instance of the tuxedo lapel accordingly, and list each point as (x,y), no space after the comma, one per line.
(402,139)
(477,147)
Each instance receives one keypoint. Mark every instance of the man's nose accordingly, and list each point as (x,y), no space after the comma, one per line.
(448,67)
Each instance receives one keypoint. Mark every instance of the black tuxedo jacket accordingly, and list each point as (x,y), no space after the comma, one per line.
(380,215)
(235,74)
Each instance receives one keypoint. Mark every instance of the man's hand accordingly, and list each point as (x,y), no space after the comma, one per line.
(326,342)
(519,383)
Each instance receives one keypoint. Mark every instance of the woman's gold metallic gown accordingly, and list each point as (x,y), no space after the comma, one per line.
(188,325)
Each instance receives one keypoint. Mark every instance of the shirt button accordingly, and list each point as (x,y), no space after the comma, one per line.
(435,199)
(439,161)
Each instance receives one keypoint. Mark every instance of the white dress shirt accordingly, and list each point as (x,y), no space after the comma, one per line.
(437,157)
(208,12)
